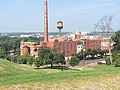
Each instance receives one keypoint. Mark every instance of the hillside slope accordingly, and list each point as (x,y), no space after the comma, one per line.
(15,74)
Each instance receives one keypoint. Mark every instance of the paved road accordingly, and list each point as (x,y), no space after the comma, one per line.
(90,62)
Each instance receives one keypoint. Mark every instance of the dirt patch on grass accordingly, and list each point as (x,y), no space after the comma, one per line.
(51,71)
(83,68)
(106,82)
(1,69)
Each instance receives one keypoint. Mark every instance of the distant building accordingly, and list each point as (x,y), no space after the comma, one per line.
(79,47)
(22,35)
(68,48)
(105,44)
(92,44)
(68,44)
(29,48)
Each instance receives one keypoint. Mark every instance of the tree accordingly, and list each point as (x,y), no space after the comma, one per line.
(82,55)
(116,58)
(103,53)
(29,60)
(105,25)
(22,60)
(116,39)
(59,59)
(74,61)
(91,52)
(117,63)
(51,58)
(116,50)
(115,55)
(38,62)
(1,53)
(44,53)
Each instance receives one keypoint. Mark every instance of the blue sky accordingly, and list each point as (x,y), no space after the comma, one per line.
(27,15)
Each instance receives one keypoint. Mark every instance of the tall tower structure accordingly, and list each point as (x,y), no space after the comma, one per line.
(45,21)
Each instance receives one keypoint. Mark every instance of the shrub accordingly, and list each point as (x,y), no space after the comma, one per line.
(108,62)
(74,61)
(117,63)
(38,62)
(115,55)
(12,58)
(22,60)
(1,53)
(29,60)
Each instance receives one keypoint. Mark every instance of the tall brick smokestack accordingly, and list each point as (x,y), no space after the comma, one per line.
(45,21)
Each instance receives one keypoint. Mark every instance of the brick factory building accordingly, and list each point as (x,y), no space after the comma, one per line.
(68,48)
(29,48)
(67,45)
(92,44)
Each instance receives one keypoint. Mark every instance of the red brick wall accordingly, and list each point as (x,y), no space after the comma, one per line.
(92,44)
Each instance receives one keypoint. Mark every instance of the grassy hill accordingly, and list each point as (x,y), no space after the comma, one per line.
(25,77)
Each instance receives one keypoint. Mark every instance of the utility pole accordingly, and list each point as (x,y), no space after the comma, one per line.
(83,53)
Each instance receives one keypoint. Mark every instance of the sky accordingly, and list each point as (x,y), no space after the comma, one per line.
(27,15)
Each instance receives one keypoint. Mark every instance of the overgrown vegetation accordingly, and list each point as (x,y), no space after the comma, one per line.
(51,56)
(38,62)
(74,61)
(116,50)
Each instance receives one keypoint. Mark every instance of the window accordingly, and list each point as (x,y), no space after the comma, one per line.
(35,50)
(35,44)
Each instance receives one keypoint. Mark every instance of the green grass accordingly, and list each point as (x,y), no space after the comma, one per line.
(13,74)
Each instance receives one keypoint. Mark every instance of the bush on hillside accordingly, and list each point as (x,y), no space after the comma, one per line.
(22,60)
(38,62)
(117,63)
(12,58)
(74,61)
(29,60)
(115,56)
(1,53)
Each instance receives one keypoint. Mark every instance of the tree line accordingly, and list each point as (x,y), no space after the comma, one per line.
(116,50)
(51,57)
(8,43)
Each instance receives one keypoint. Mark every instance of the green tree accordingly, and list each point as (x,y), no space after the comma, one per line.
(74,61)
(22,60)
(44,53)
(116,56)
(91,52)
(116,50)
(82,54)
(59,59)
(1,53)
(38,62)
(103,53)
(29,60)
(117,63)
(116,39)
(51,59)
